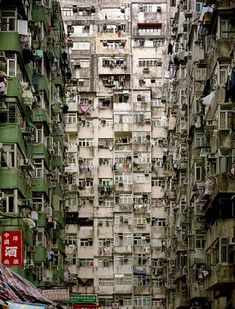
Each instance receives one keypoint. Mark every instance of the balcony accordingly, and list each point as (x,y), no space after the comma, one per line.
(39,13)
(39,150)
(42,220)
(142,270)
(223,48)
(221,274)
(40,115)
(121,187)
(11,178)
(40,185)
(10,41)
(146,290)
(122,289)
(120,127)
(14,89)
(223,184)
(121,248)
(40,254)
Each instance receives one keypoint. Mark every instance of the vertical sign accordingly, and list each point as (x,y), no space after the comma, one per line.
(12,248)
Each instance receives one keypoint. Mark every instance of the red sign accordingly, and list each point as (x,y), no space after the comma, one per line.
(84,306)
(12,248)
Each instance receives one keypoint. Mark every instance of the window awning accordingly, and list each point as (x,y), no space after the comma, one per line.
(149,25)
(15,288)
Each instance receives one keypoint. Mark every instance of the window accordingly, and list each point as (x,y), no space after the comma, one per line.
(125,199)
(106,203)
(71,239)
(8,202)
(39,168)
(123,179)
(224,250)
(222,73)
(158,182)
(141,137)
(105,222)
(81,45)
(199,242)
(85,201)
(154,62)
(141,239)
(200,140)
(157,103)
(83,82)
(225,28)
(83,142)
(122,260)
(159,282)
(122,219)
(38,203)
(142,158)
(143,301)
(141,178)
(71,118)
(105,242)
(105,262)
(141,281)
(198,173)
(86,263)
(123,239)
(158,222)
(105,282)
(159,122)
(11,64)
(8,21)
(86,242)
(225,120)
(85,123)
(141,219)
(141,260)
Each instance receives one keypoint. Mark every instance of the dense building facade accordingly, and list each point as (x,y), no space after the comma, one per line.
(34,66)
(201,244)
(116,132)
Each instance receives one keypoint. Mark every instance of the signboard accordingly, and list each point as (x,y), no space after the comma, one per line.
(83,298)
(56,294)
(12,248)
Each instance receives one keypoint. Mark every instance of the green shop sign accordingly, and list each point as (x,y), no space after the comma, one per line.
(83,298)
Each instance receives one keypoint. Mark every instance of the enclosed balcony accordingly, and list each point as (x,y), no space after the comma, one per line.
(40,185)
(40,254)
(221,274)
(223,187)
(11,178)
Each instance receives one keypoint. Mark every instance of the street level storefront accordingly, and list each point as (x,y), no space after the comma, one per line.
(16,289)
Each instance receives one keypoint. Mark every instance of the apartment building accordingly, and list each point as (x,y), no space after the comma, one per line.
(116,132)
(34,67)
(200,237)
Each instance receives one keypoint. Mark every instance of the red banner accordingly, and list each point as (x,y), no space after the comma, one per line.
(12,248)
(84,306)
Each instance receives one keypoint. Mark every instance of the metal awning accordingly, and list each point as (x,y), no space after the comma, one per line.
(15,288)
